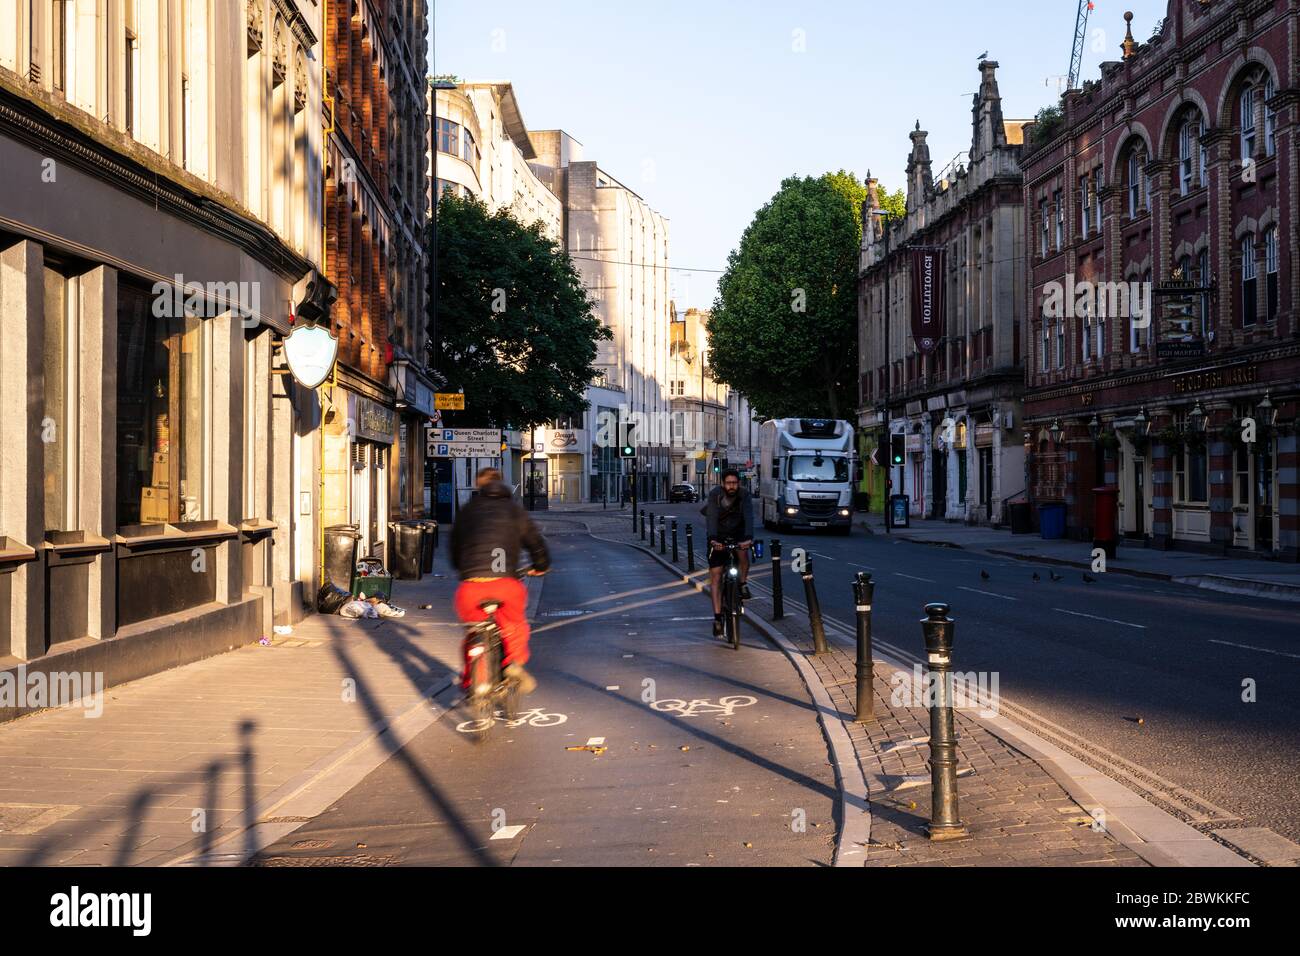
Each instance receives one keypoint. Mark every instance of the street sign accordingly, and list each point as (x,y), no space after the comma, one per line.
(463,443)
(449,401)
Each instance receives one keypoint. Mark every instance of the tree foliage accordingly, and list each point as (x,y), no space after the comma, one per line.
(784,325)
(515,326)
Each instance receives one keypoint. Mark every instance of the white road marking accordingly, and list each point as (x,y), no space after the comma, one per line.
(900,574)
(987,593)
(612,687)
(629,655)
(509,833)
(1140,627)
(1264,650)
(596,742)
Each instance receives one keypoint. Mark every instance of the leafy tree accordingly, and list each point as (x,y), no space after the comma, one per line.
(784,328)
(515,326)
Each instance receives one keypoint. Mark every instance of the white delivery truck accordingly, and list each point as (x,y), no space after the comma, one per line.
(806,473)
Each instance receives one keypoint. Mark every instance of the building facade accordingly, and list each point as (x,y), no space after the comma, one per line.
(160,224)
(1162,337)
(376,185)
(620,248)
(699,404)
(959,405)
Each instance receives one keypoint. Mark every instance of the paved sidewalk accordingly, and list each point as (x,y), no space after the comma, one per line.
(1017,814)
(1255,576)
(183,759)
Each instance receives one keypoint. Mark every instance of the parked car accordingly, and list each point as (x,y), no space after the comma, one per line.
(683,492)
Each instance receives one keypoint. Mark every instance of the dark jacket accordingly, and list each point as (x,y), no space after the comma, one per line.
(493,520)
(738,522)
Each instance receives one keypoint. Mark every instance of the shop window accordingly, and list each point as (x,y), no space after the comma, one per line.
(162,407)
(60,419)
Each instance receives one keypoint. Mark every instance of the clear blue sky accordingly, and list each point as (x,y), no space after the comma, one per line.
(704,106)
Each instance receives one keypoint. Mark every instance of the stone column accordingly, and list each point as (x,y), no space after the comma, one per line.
(98,485)
(22,454)
(1162,481)
(1219,452)
(227,465)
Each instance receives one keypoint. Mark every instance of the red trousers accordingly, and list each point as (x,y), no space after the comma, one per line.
(511,616)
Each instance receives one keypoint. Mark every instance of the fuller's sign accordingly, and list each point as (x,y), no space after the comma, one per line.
(927,298)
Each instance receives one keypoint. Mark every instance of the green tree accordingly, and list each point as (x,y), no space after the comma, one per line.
(516,328)
(784,328)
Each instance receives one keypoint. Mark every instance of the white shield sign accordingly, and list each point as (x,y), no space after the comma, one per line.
(310,351)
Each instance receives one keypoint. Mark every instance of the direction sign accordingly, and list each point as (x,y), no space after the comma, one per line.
(463,443)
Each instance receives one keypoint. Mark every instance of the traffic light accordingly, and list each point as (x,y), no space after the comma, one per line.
(896,448)
(627,446)
(716,466)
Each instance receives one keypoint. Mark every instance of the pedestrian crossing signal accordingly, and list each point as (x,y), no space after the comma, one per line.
(896,449)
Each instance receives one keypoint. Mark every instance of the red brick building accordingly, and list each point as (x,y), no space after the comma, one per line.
(1171,181)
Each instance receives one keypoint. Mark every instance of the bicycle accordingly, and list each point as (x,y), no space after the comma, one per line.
(733,599)
(489,687)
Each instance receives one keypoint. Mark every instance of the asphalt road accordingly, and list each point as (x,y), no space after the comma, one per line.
(727,766)
(1093,658)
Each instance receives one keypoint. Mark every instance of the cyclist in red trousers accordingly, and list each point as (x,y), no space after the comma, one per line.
(486,540)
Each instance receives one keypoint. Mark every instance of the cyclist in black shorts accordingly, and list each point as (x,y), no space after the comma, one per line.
(729,515)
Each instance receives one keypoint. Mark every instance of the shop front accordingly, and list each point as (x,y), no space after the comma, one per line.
(372,429)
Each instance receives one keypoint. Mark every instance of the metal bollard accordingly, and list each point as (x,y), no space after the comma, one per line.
(663,533)
(863,591)
(814,609)
(690,549)
(675,557)
(945,824)
(642,524)
(778,598)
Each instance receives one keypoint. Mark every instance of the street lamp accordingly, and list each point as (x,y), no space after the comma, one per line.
(1056,431)
(1266,410)
(1141,423)
(1196,418)
(1094,427)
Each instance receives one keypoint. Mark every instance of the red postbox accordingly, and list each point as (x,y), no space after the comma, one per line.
(1105,534)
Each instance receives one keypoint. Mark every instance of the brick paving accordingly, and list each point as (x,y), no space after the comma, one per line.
(1017,815)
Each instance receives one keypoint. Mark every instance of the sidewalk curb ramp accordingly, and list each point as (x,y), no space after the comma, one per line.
(1158,837)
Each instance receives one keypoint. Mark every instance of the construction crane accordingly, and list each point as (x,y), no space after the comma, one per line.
(1080,34)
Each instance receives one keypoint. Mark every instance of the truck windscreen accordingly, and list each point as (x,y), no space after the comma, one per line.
(816,468)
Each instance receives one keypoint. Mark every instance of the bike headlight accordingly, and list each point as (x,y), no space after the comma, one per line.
(734,572)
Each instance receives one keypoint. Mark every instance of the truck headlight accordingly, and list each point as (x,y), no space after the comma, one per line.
(792,511)
(844,512)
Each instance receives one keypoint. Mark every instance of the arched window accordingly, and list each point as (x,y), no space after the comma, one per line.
(1137,184)
(1247,113)
(1249,292)
(1191,154)
(1270,119)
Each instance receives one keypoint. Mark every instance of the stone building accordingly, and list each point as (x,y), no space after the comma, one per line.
(160,225)
(1163,293)
(699,404)
(375,219)
(620,247)
(959,405)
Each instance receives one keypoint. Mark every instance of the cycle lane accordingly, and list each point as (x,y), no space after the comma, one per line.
(713,756)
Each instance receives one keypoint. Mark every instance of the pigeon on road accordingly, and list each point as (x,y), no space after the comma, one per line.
(1054,576)
(984,575)
(1036,577)
(1088,578)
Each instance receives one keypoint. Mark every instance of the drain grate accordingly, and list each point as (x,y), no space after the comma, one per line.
(572,613)
(312,845)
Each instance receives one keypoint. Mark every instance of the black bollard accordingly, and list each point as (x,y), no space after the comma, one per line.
(863,591)
(642,524)
(663,534)
(690,549)
(675,556)
(778,599)
(814,608)
(945,823)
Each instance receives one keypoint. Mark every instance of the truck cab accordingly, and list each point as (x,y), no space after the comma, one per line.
(806,474)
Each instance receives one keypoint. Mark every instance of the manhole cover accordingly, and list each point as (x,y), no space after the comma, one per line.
(360,859)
